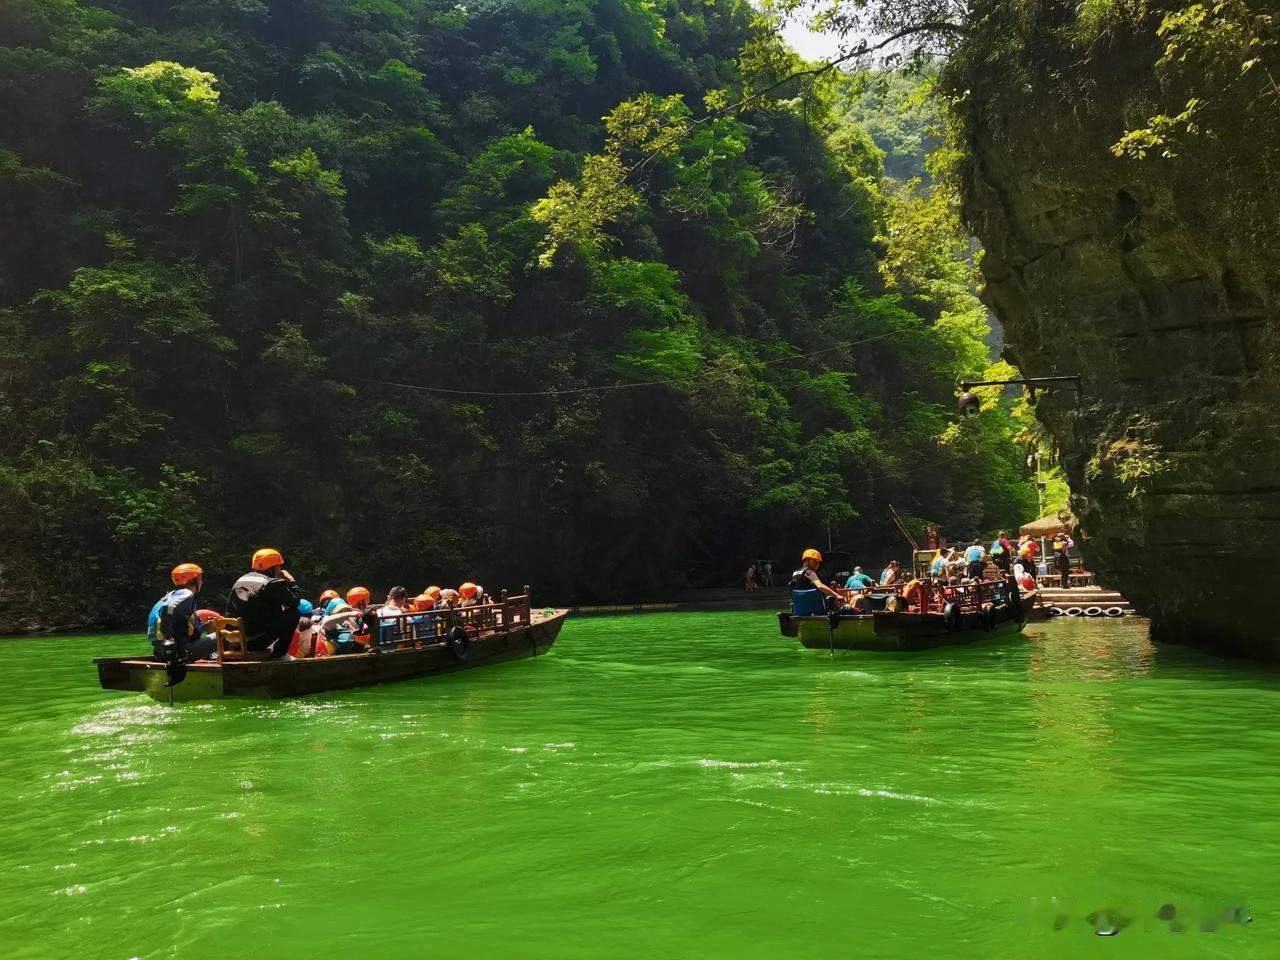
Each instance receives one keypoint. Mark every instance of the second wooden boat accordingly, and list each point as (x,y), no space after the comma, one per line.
(935,617)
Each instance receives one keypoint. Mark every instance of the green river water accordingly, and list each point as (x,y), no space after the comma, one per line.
(669,785)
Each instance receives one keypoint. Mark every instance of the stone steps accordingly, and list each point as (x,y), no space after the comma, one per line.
(1083,598)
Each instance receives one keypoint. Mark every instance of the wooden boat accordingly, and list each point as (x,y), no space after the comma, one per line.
(410,645)
(937,616)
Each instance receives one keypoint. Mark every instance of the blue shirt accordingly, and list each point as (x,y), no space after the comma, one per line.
(858,581)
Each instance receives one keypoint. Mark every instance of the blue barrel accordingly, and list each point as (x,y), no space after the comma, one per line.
(807,603)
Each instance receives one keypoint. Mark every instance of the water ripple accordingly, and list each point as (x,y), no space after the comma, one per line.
(668,785)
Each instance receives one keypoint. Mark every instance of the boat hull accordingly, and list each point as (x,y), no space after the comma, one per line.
(887,632)
(856,632)
(279,679)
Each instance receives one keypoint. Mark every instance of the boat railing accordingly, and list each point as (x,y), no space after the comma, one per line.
(969,597)
(425,627)
(852,594)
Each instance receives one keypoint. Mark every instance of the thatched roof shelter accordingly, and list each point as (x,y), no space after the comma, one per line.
(1044,527)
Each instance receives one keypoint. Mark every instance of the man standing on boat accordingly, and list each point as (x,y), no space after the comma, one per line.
(807,576)
(1002,553)
(1062,545)
(973,558)
(266,601)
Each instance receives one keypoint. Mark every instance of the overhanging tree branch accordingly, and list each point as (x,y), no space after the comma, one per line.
(813,74)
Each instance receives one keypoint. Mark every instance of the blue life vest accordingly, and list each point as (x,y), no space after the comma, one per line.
(174,620)
(973,554)
(997,548)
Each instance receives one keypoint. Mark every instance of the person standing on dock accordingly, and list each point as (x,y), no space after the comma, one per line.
(1062,545)
(266,601)
(973,558)
(1028,550)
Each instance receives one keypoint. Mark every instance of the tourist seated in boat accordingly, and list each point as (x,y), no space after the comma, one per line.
(367,620)
(449,598)
(317,608)
(889,575)
(805,579)
(174,626)
(470,594)
(396,605)
(913,596)
(303,643)
(858,580)
(266,602)
(339,626)
(421,625)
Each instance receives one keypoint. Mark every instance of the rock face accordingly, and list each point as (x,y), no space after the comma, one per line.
(1155,279)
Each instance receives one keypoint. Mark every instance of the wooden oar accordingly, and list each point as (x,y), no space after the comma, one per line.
(902,527)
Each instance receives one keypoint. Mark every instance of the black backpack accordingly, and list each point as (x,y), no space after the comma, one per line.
(177,620)
(799,581)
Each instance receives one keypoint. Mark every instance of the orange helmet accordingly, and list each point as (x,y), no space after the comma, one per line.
(266,558)
(357,596)
(184,573)
(424,601)
(811,554)
(468,590)
(432,592)
(329,595)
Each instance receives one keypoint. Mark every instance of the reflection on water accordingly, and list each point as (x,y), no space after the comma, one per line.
(666,785)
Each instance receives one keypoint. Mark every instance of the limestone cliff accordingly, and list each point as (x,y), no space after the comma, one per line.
(1158,280)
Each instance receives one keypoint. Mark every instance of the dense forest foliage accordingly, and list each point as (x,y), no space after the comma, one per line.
(306,273)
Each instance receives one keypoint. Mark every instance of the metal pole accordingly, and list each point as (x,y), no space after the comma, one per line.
(1039,486)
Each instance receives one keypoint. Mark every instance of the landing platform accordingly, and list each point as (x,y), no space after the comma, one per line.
(1084,601)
